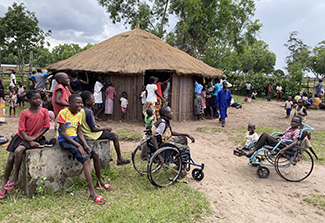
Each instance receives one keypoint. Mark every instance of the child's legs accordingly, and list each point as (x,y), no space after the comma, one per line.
(10,109)
(110,136)
(288,112)
(18,159)
(8,169)
(87,172)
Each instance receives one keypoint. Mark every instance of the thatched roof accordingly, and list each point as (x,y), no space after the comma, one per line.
(135,52)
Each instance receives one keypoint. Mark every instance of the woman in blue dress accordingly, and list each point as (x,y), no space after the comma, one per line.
(223,100)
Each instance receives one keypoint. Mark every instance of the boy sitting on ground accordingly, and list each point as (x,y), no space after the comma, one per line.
(162,133)
(72,139)
(33,124)
(92,131)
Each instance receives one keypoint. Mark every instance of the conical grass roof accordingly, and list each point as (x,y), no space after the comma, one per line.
(135,52)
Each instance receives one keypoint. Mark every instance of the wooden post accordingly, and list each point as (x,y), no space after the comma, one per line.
(30,61)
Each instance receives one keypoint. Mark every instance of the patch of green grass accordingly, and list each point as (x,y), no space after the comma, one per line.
(128,134)
(133,199)
(241,99)
(318,144)
(316,200)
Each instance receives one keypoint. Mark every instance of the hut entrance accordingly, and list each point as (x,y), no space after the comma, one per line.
(162,77)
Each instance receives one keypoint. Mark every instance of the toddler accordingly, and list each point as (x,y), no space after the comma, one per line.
(288,106)
(12,101)
(251,136)
(21,91)
(124,105)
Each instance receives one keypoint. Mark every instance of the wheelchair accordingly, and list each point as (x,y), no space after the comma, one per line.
(294,165)
(146,162)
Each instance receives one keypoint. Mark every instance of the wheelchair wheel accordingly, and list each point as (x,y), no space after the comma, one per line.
(140,160)
(197,174)
(263,172)
(166,174)
(296,167)
(269,157)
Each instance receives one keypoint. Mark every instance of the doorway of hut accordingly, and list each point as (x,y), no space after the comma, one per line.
(164,80)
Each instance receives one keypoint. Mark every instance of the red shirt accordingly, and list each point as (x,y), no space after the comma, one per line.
(64,98)
(33,123)
(159,89)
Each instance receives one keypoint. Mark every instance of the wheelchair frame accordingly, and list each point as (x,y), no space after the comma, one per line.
(174,162)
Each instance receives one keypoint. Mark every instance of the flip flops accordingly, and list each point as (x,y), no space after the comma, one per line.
(106,187)
(3,194)
(98,200)
(9,186)
(122,162)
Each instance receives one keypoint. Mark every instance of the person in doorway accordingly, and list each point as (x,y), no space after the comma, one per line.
(152,93)
(110,94)
(98,94)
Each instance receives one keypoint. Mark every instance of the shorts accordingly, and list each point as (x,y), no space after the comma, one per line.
(107,135)
(75,151)
(17,141)
(98,106)
(123,109)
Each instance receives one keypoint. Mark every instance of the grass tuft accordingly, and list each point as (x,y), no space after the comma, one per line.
(128,134)
(316,200)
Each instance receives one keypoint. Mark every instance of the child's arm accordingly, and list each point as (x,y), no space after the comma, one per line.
(98,128)
(83,140)
(69,140)
(33,138)
(87,79)
(57,98)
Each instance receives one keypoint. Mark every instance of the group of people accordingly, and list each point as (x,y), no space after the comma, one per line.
(212,101)
(75,125)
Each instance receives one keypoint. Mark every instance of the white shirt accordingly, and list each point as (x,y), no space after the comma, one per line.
(251,138)
(98,92)
(54,83)
(248,86)
(12,78)
(151,89)
(143,97)
(278,88)
(124,102)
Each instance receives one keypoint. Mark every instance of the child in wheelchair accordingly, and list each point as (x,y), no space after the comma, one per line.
(163,133)
(251,137)
(291,133)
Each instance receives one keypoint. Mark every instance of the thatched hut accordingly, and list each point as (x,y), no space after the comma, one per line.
(128,59)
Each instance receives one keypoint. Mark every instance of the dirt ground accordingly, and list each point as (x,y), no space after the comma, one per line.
(235,192)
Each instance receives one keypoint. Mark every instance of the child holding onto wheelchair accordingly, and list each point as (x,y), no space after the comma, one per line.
(162,133)
(291,133)
(251,137)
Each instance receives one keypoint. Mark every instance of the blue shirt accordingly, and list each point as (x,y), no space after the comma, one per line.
(198,88)
(217,87)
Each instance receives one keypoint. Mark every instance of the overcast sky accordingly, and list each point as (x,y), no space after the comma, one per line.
(84,21)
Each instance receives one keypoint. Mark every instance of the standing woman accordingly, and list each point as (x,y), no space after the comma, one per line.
(223,101)
(152,94)
(198,102)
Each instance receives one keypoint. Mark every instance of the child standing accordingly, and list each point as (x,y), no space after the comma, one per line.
(33,123)
(12,101)
(72,139)
(124,105)
(61,93)
(288,106)
(110,94)
(21,91)
(148,119)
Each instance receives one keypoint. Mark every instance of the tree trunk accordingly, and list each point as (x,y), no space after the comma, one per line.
(30,61)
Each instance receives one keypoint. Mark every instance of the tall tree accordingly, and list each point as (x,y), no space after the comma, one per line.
(317,60)
(21,32)
(64,51)
(298,52)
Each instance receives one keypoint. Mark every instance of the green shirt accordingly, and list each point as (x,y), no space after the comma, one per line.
(148,120)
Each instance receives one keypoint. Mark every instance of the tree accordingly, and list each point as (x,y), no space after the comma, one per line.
(62,52)
(317,60)
(21,32)
(298,52)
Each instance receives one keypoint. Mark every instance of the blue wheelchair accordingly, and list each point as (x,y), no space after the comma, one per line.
(294,165)
(145,161)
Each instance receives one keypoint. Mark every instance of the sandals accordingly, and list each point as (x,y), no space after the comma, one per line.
(98,200)
(122,162)
(9,186)
(106,187)
(3,194)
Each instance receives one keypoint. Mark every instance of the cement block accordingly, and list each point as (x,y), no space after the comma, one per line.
(57,165)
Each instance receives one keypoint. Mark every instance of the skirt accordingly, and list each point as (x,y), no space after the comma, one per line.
(198,105)
(17,141)
(109,106)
